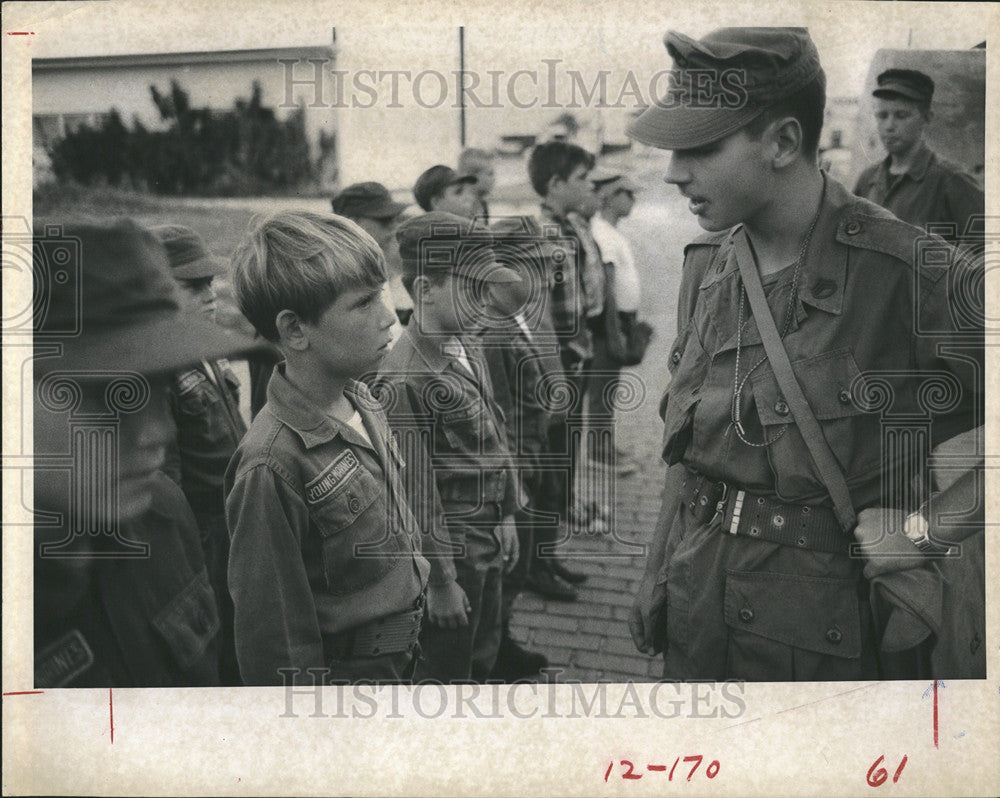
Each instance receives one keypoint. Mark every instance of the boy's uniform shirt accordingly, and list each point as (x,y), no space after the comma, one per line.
(323,539)
(452,430)
(728,596)
(131,621)
(205,403)
(931,191)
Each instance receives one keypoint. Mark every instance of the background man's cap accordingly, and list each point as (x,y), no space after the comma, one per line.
(724,81)
(434,181)
(187,255)
(367,200)
(439,241)
(105,293)
(908,83)
(602,177)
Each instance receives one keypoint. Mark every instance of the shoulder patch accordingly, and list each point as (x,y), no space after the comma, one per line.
(62,661)
(189,380)
(332,477)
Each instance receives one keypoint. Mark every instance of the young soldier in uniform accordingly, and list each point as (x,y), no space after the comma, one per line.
(205,402)
(913,182)
(325,567)
(122,597)
(441,188)
(440,402)
(749,557)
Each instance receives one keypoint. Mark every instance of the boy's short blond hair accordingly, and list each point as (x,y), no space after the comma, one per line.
(301,261)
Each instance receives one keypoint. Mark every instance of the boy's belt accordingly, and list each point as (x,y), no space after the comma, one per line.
(391,634)
(753,515)
(469,490)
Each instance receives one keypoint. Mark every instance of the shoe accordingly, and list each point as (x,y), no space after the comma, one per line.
(514,662)
(564,573)
(545,583)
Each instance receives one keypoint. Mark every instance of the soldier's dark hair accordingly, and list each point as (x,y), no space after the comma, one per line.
(807,105)
(555,159)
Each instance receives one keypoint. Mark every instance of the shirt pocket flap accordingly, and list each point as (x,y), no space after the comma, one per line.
(342,508)
(814,613)
(190,621)
(826,380)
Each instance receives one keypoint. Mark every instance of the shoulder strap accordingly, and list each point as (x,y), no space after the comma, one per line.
(819,449)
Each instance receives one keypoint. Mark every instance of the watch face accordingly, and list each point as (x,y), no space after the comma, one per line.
(916,527)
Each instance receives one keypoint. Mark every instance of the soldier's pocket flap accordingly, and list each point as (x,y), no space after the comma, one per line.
(807,612)
(826,381)
(342,508)
(190,621)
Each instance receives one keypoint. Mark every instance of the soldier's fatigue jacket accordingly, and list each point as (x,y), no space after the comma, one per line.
(739,607)
(452,433)
(209,428)
(567,302)
(322,538)
(931,191)
(130,621)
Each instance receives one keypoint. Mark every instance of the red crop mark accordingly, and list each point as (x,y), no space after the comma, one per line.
(935,714)
(111,711)
(27,692)
(20,33)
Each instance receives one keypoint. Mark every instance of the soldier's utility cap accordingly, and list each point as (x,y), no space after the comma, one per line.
(189,258)
(367,200)
(604,177)
(907,83)
(104,292)
(443,242)
(724,81)
(434,181)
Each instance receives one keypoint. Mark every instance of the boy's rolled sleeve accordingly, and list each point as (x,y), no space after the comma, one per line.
(275,624)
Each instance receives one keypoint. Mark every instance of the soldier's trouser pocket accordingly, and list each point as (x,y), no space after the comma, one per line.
(785,627)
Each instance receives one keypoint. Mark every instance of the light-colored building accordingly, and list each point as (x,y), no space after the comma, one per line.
(69,92)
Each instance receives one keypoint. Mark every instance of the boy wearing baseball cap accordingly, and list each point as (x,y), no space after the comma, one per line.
(443,189)
(122,597)
(751,574)
(205,404)
(439,399)
(325,567)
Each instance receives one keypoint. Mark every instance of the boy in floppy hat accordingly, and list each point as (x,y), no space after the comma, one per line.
(913,182)
(122,597)
(325,567)
(205,402)
(443,189)
(750,575)
(460,474)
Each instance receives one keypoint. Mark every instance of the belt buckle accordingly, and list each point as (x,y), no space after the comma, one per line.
(734,525)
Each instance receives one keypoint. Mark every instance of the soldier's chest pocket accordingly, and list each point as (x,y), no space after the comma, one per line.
(470,429)
(831,383)
(200,401)
(358,547)
(687,364)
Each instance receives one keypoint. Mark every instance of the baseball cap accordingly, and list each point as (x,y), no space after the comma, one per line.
(434,181)
(444,242)
(186,253)
(369,200)
(116,306)
(602,176)
(908,83)
(724,81)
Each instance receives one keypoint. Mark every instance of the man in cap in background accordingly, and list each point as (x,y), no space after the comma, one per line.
(461,484)
(750,574)
(479,164)
(616,192)
(372,208)
(122,597)
(443,189)
(912,181)
(205,404)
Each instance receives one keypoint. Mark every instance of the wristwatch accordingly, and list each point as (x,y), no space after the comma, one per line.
(917,528)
